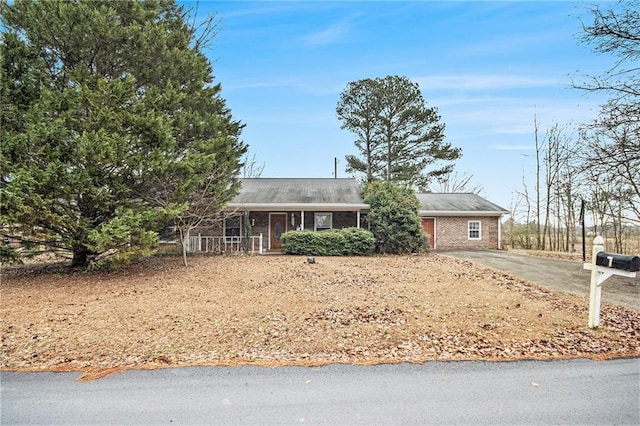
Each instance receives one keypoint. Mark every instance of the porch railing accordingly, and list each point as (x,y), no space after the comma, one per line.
(209,244)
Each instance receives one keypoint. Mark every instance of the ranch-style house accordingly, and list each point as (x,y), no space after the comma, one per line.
(266,208)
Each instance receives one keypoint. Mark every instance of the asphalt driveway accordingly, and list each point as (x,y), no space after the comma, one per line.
(562,275)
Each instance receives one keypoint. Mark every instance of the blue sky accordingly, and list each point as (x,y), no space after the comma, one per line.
(489,68)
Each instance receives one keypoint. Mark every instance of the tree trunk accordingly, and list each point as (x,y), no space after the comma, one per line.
(184,237)
(538,240)
(81,256)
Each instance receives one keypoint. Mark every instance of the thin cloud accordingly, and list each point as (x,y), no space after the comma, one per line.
(511,147)
(334,33)
(244,85)
(482,82)
(315,87)
(517,127)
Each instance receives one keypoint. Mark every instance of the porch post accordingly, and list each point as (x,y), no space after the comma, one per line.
(499,234)
(358,213)
(302,220)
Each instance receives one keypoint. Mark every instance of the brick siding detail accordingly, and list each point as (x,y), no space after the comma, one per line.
(453,233)
(260,223)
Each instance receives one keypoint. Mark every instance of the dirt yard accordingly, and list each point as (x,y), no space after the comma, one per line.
(281,310)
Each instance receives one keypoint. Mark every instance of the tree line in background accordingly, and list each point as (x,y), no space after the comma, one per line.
(590,173)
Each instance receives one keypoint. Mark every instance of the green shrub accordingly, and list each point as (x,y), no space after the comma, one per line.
(394,218)
(358,241)
(336,242)
(9,255)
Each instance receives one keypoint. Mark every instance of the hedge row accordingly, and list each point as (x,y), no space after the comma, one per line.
(335,242)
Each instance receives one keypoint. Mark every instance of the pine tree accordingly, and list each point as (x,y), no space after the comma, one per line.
(399,137)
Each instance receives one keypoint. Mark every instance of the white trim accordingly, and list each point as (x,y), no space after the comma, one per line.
(479,222)
(437,213)
(207,244)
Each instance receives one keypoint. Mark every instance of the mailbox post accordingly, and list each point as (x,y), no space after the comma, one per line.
(595,292)
(604,265)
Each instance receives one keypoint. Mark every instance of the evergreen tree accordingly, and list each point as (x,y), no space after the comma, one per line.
(359,108)
(394,218)
(111,124)
(398,136)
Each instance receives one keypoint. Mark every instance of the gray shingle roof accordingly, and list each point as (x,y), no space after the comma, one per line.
(299,193)
(344,194)
(465,204)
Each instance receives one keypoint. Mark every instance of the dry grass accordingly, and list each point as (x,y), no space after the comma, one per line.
(277,310)
(553,254)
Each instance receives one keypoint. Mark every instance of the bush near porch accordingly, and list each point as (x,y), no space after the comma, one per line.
(335,242)
(394,218)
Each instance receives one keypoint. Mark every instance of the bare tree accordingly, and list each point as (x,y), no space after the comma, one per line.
(521,239)
(203,204)
(561,186)
(549,148)
(453,182)
(538,147)
(552,206)
(612,141)
(616,152)
(251,168)
(616,32)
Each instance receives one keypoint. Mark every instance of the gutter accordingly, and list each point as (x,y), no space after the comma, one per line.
(436,213)
(297,206)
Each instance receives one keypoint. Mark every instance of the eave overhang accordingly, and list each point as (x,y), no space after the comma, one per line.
(297,207)
(437,213)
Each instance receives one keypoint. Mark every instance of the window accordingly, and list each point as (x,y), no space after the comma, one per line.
(323,221)
(167,234)
(232,226)
(475,230)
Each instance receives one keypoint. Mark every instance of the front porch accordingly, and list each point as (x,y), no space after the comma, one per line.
(260,232)
(220,244)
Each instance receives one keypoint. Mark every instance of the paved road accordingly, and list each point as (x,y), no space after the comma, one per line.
(562,275)
(526,392)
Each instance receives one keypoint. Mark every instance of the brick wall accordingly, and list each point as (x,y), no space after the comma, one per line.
(260,223)
(452,233)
